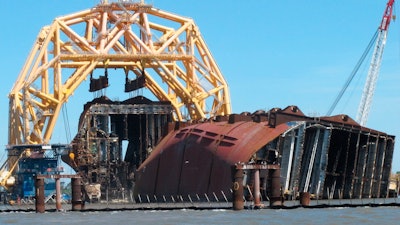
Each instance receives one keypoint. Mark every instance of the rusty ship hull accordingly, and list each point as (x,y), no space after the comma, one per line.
(327,157)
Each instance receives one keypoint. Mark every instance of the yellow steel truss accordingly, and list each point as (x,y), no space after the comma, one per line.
(177,65)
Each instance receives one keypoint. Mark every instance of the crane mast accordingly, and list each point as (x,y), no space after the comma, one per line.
(373,72)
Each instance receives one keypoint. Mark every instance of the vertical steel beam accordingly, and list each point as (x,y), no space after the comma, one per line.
(39,204)
(311,164)
(350,165)
(140,148)
(305,198)
(146,146)
(257,195)
(322,166)
(344,165)
(58,194)
(370,170)
(150,131)
(77,203)
(387,166)
(238,203)
(379,167)
(298,159)
(290,161)
(354,173)
(360,171)
(126,127)
(367,167)
(275,198)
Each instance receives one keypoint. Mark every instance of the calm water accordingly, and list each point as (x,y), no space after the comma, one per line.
(360,215)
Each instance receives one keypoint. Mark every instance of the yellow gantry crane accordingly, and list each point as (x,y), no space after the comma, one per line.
(171,60)
(7,169)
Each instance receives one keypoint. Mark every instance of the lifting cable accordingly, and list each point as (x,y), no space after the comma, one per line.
(66,123)
(353,73)
(3,162)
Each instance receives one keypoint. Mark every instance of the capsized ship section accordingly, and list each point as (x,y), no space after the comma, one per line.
(196,160)
(329,157)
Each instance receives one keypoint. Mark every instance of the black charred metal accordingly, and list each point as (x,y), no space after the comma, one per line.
(333,157)
(132,85)
(105,128)
(97,84)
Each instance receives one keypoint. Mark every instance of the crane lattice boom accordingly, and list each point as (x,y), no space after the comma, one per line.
(373,72)
(165,50)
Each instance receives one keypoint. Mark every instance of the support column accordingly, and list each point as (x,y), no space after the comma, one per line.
(76,202)
(237,194)
(58,194)
(39,195)
(256,191)
(305,198)
(275,198)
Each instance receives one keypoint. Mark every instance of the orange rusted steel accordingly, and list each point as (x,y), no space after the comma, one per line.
(257,194)
(305,198)
(275,197)
(237,189)
(198,158)
(39,203)
(77,201)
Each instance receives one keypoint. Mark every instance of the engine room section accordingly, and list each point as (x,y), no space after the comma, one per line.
(99,154)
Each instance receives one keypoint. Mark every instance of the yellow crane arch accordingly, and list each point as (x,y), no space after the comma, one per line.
(173,59)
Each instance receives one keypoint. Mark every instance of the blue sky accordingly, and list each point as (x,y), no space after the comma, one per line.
(272,54)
